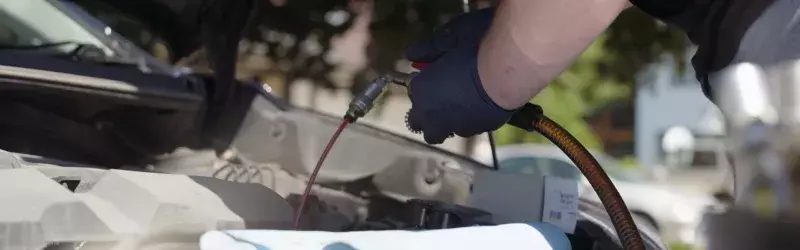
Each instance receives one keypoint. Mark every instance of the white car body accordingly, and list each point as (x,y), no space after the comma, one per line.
(675,213)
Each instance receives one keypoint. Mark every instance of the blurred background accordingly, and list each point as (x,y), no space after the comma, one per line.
(631,97)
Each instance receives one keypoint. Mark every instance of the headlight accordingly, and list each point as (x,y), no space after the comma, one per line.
(686,214)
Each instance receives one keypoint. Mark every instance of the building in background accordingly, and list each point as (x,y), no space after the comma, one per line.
(666,101)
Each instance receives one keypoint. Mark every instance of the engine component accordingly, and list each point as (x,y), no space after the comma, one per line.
(319,215)
(438,215)
(127,210)
(425,177)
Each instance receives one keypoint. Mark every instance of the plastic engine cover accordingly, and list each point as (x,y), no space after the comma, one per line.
(540,236)
(113,209)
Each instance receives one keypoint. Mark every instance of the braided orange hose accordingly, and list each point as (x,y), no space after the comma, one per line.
(609,196)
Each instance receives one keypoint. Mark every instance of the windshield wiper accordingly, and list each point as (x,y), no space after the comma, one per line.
(83,52)
(36,46)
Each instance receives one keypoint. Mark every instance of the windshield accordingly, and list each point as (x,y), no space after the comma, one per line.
(27,23)
(37,22)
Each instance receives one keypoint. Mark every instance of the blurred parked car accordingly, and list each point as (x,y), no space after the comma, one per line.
(673,212)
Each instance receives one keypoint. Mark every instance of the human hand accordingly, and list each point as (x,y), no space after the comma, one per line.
(448,95)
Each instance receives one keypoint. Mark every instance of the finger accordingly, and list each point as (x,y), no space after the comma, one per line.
(435,137)
(466,134)
(410,83)
(433,132)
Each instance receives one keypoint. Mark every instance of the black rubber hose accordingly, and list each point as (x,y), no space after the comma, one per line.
(531,118)
(493,147)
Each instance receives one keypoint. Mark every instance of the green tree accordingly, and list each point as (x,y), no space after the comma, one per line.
(605,72)
(566,100)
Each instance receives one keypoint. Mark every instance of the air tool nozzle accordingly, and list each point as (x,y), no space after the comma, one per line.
(402,79)
(363,103)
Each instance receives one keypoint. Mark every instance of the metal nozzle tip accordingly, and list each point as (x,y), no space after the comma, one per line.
(350,118)
(399,78)
(354,112)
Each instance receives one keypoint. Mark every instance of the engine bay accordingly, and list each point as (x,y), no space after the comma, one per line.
(69,204)
(104,149)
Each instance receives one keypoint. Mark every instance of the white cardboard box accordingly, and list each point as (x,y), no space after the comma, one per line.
(512,197)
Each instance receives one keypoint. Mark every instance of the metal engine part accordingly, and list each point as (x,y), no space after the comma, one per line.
(438,215)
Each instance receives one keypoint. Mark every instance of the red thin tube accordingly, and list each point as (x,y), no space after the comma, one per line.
(299,212)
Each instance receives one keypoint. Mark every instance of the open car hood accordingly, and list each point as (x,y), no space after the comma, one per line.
(272,131)
(188,25)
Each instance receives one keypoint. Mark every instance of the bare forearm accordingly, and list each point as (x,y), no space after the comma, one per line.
(533,41)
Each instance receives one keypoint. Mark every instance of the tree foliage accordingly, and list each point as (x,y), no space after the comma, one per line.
(605,72)
(635,40)
(296,36)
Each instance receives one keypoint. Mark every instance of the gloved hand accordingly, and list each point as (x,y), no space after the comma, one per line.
(448,96)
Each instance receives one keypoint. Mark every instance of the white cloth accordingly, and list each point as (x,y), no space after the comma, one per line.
(540,236)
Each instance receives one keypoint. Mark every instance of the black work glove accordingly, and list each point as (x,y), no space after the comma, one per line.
(448,96)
